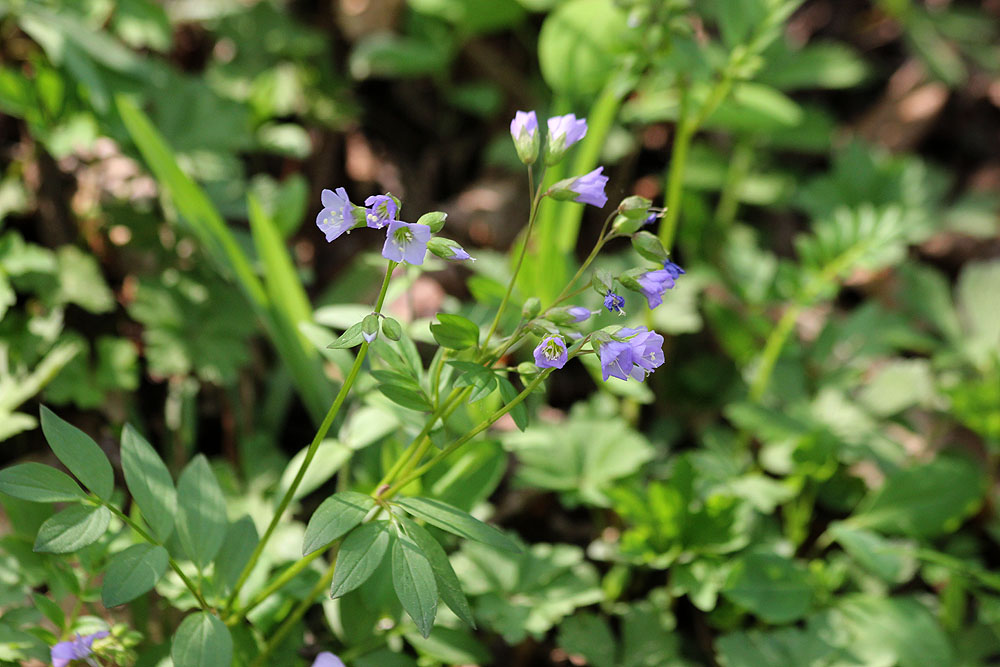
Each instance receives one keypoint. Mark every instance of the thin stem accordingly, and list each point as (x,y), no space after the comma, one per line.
(311,452)
(407,454)
(290,573)
(149,538)
(426,443)
(601,240)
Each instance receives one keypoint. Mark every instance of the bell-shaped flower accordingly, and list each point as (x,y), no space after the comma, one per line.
(551,353)
(406,242)
(381,210)
(564,131)
(524,130)
(616,360)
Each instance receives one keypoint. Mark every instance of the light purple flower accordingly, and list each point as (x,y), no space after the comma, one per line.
(564,131)
(406,242)
(524,130)
(653,284)
(74,649)
(672,269)
(551,353)
(589,188)
(614,303)
(381,211)
(337,215)
(647,350)
(327,659)
(580,314)
(616,360)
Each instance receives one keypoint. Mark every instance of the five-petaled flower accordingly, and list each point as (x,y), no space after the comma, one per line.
(589,188)
(78,648)
(406,242)
(614,303)
(647,350)
(616,360)
(327,659)
(551,353)
(381,211)
(653,284)
(337,215)
(564,131)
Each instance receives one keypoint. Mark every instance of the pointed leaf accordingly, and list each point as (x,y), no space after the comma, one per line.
(454,520)
(241,540)
(337,515)
(520,412)
(79,453)
(360,555)
(39,483)
(413,579)
(201,640)
(447,581)
(71,529)
(149,482)
(133,572)
(455,332)
(201,515)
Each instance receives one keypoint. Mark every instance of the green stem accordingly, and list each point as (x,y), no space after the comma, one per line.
(149,538)
(290,573)
(601,240)
(426,442)
(311,452)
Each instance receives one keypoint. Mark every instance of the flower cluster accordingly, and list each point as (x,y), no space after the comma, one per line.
(404,241)
(631,353)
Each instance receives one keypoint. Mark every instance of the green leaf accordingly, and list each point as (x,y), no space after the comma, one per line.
(976,297)
(202,639)
(413,580)
(775,588)
(241,540)
(79,453)
(450,647)
(72,529)
(349,338)
(520,412)
(481,379)
(588,634)
(900,384)
(360,555)
(201,516)
(577,46)
(406,394)
(149,482)
(39,483)
(455,332)
(891,561)
(448,585)
(785,647)
(335,517)
(132,572)
(50,610)
(454,520)
(924,501)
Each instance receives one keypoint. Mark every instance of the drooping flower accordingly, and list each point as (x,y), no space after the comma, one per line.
(647,350)
(672,269)
(653,284)
(381,211)
(580,314)
(78,648)
(589,188)
(651,218)
(448,249)
(616,360)
(551,353)
(524,130)
(327,659)
(614,303)
(564,131)
(406,242)
(337,215)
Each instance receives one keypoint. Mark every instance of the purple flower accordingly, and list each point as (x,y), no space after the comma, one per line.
(564,131)
(337,215)
(653,284)
(327,659)
(651,218)
(579,313)
(614,303)
(448,249)
(75,649)
(524,130)
(672,269)
(589,188)
(406,242)
(616,360)
(381,211)
(551,353)
(647,350)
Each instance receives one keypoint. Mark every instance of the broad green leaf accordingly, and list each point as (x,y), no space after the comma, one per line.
(785,647)
(132,572)
(588,634)
(241,540)
(520,412)
(335,516)
(774,588)
(50,610)
(455,332)
(890,560)
(360,554)
(402,390)
(924,501)
(149,482)
(201,515)
(577,46)
(79,453)
(978,286)
(481,379)
(72,529)
(448,585)
(900,384)
(454,520)
(201,640)
(413,580)
(39,483)
(450,647)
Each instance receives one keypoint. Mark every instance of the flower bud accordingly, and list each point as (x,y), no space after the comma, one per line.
(369,327)
(650,247)
(564,131)
(391,329)
(629,279)
(603,281)
(448,249)
(532,307)
(524,131)
(635,207)
(434,220)
(625,226)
